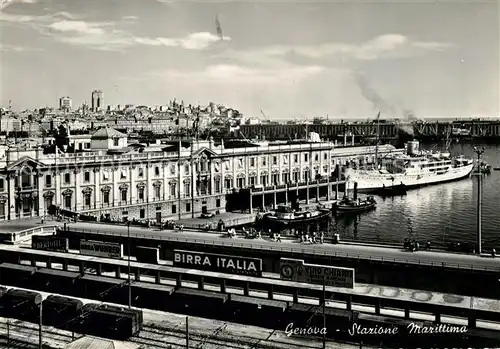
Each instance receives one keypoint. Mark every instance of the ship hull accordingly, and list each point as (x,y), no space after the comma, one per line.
(355,209)
(370,181)
(285,221)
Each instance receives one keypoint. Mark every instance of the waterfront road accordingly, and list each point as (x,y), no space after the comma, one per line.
(358,251)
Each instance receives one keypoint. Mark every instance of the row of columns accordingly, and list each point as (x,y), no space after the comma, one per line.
(328,194)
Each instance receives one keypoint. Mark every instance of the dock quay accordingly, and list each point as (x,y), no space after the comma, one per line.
(430,270)
(376,264)
(78,272)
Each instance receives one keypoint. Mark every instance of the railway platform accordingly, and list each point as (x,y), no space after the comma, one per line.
(471,309)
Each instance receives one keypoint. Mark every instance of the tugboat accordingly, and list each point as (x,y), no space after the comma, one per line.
(355,205)
(393,190)
(286,215)
(483,168)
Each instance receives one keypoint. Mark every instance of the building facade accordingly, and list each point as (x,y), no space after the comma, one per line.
(65,103)
(96,99)
(119,181)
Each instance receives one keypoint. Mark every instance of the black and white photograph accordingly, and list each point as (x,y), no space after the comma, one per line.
(249,174)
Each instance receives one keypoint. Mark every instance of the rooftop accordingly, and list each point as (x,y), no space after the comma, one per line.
(88,342)
(107,133)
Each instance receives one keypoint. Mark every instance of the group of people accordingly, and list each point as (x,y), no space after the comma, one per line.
(275,236)
(314,238)
(231,233)
(413,245)
(171,225)
(304,237)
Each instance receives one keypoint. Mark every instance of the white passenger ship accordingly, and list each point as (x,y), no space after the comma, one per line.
(413,169)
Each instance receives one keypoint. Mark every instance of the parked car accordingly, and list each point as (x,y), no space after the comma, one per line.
(207,215)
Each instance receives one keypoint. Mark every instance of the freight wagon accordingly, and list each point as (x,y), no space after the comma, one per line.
(216,305)
(60,311)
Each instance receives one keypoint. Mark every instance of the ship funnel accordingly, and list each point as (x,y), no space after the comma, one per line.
(412,147)
(355,197)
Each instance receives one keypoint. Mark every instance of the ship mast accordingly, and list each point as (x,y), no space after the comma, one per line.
(377,140)
(448,138)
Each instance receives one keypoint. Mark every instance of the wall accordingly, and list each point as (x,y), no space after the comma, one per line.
(427,278)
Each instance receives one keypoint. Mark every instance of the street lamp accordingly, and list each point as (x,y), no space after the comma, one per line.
(40,328)
(128,259)
(479,152)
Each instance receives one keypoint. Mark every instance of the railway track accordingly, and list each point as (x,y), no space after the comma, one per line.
(25,335)
(154,336)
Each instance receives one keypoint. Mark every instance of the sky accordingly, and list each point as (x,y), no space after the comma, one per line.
(281,59)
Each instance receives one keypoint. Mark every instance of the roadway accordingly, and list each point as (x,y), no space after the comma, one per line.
(23,224)
(351,250)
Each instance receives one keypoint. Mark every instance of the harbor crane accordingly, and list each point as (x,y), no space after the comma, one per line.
(264,115)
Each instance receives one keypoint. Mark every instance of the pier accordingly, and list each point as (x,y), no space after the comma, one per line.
(476,129)
(430,270)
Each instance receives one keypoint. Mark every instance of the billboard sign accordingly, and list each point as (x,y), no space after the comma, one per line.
(147,254)
(101,249)
(297,270)
(218,263)
(49,243)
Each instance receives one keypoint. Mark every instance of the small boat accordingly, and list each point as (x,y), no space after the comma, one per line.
(347,205)
(496,168)
(393,190)
(286,215)
(483,168)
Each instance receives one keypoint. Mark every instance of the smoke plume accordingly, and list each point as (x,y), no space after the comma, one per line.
(386,108)
(406,124)
(371,95)
(218,28)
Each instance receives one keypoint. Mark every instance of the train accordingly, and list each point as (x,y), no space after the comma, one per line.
(120,322)
(71,314)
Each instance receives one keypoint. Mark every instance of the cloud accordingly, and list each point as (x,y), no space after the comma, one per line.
(388,46)
(15,18)
(78,27)
(104,36)
(35,21)
(193,41)
(5,3)
(66,28)
(236,74)
(15,48)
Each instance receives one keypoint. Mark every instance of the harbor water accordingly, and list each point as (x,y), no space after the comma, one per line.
(441,213)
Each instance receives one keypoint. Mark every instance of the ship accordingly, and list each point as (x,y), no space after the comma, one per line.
(350,206)
(412,169)
(354,205)
(286,215)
